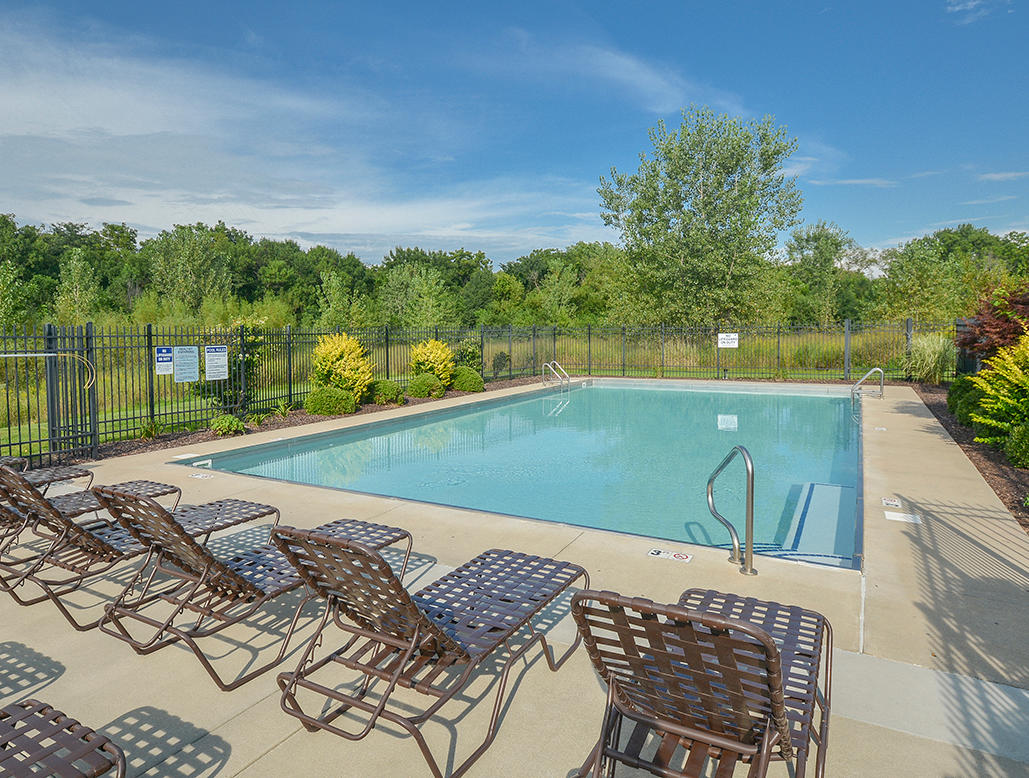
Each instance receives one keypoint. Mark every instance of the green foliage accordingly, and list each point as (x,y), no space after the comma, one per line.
(227,424)
(151,429)
(468,354)
(78,294)
(467,380)
(700,216)
(426,385)
(416,296)
(386,392)
(256,419)
(501,362)
(339,360)
(814,256)
(282,408)
(11,290)
(243,365)
(187,263)
(932,357)
(1016,447)
(433,356)
(962,398)
(1005,386)
(330,401)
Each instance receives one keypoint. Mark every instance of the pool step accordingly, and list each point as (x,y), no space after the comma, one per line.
(823,525)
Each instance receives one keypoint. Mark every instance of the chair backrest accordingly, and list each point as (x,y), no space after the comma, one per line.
(28,501)
(687,667)
(153,526)
(362,583)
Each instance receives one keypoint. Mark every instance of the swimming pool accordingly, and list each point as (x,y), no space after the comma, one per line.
(625,455)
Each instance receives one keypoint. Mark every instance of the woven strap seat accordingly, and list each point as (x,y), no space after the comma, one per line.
(36,739)
(15,463)
(43,476)
(78,503)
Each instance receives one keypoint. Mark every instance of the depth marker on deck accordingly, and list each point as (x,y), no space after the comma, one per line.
(908,518)
(678,556)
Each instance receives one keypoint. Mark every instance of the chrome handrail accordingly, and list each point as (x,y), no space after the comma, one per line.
(558,371)
(747,566)
(882,383)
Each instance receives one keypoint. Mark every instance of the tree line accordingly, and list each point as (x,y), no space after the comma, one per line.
(701,224)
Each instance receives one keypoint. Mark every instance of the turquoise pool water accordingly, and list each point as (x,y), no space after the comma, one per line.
(626,456)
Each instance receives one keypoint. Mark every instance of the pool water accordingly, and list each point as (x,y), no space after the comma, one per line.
(628,456)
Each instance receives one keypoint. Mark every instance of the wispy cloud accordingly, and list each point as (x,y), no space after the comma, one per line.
(880,183)
(968,11)
(989,200)
(926,173)
(1005,176)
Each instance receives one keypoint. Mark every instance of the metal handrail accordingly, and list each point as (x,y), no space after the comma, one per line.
(558,371)
(747,566)
(882,383)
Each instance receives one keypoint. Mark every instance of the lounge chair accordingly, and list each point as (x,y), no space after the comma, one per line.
(706,679)
(75,553)
(210,593)
(430,642)
(36,740)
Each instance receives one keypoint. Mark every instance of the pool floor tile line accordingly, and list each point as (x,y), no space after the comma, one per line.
(932,704)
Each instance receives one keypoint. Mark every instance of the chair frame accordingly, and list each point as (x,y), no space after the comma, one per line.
(416,641)
(216,594)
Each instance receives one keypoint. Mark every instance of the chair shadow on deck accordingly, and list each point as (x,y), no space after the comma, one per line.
(25,671)
(973,570)
(159,743)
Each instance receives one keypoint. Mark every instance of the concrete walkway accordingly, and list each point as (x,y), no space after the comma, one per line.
(930,674)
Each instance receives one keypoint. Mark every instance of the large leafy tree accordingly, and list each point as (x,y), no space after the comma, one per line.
(701,215)
(815,255)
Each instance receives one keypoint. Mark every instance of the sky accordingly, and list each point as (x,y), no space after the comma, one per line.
(365,126)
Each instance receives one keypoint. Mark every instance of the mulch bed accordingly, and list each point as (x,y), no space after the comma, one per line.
(1010,483)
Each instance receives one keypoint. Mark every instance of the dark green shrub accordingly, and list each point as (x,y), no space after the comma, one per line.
(425,385)
(386,392)
(1017,445)
(227,424)
(956,392)
(967,405)
(501,362)
(330,401)
(467,380)
(468,354)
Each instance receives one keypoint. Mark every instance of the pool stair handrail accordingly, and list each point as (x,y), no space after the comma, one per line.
(746,563)
(558,372)
(854,390)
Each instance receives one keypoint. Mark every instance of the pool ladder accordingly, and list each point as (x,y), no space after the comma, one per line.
(558,372)
(854,390)
(746,563)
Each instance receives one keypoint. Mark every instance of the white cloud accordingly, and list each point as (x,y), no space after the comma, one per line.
(968,11)
(1005,176)
(880,183)
(989,200)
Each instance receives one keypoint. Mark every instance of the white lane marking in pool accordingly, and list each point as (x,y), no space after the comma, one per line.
(909,518)
(727,422)
(187,455)
(891,502)
(678,556)
(201,475)
(880,429)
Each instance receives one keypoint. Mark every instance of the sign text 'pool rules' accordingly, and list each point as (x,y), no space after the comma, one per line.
(728,340)
(162,360)
(186,361)
(216,363)
(678,556)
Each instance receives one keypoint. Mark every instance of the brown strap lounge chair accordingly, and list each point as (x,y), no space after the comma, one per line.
(211,593)
(37,740)
(706,685)
(44,476)
(430,642)
(76,553)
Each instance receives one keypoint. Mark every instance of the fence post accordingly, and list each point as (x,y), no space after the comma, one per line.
(510,351)
(150,372)
(778,350)
(909,330)
(242,369)
(289,364)
(623,351)
(94,420)
(53,397)
(534,349)
(589,350)
(846,349)
(662,349)
(386,328)
(482,349)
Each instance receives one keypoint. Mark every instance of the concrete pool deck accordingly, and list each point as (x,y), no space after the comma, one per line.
(930,677)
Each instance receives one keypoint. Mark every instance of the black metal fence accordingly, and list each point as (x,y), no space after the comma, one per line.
(143,385)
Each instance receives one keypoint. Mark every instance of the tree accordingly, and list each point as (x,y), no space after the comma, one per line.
(699,217)
(415,296)
(814,255)
(79,292)
(186,264)
(10,293)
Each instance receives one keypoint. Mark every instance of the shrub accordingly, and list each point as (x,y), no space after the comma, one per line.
(467,380)
(957,391)
(386,392)
(433,356)
(425,385)
(340,362)
(330,401)
(227,424)
(1000,321)
(932,357)
(963,399)
(257,419)
(501,362)
(1017,445)
(1004,383)
(468,354)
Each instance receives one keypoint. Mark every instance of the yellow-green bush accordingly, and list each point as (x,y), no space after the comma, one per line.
(1004,383)
(339,361)
(432,356)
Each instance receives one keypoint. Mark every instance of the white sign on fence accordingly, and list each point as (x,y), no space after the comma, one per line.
(186,360)
(163,360)
(216,363)
(728,340)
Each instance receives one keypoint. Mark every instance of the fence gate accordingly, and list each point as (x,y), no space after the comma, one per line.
(71,401)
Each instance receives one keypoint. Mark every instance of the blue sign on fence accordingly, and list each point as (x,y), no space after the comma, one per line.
(163,360)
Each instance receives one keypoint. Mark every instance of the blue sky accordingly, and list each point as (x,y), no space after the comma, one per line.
(369,125)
